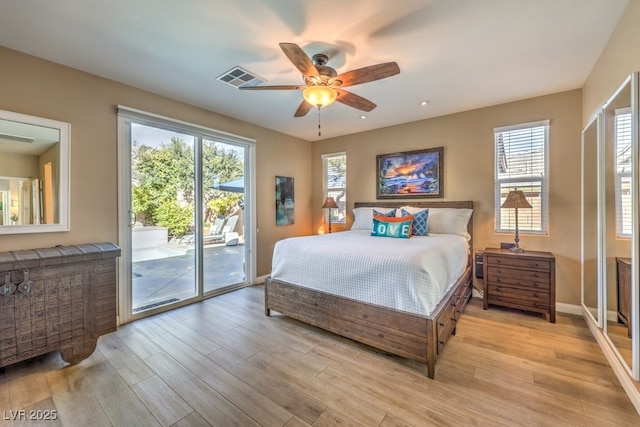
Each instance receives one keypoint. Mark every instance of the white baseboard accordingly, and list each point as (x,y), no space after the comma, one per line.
(562,307)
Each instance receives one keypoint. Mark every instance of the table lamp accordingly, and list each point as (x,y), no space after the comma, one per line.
(516,200)
(329,203)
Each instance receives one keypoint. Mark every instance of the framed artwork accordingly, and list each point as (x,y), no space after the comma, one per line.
(412,174)
(285,201)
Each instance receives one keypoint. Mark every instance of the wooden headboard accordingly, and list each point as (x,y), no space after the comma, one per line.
(465,204)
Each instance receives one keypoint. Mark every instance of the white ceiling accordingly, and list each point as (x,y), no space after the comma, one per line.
(456,54)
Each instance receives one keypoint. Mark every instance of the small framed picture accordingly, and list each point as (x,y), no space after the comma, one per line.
(285,201)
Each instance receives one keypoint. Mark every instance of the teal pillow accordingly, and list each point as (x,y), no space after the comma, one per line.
(420,221)
(390,214)
(392,227)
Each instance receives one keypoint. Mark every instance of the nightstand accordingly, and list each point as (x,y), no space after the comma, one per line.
(525,281)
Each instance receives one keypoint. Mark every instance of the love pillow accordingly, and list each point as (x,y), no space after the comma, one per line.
(399,227)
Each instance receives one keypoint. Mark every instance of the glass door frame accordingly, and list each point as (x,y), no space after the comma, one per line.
(126,218)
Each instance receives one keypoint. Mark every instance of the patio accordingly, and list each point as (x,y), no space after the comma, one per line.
(166,273)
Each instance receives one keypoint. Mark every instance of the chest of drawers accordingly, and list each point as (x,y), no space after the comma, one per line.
(623,278)
(524,281)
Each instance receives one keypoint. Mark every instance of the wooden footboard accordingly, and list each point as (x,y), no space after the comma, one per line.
(404,334)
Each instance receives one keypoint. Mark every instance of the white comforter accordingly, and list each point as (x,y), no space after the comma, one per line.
(410,275)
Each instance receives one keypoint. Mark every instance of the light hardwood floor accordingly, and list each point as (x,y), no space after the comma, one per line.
(222,362)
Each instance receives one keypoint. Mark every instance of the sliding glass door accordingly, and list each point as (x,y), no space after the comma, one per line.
(162,210)
(185,213)
(223,172)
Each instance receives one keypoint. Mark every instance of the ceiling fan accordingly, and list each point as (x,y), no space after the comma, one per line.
(323,85)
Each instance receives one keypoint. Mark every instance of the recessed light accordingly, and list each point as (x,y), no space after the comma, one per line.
(423,103)
(363,117)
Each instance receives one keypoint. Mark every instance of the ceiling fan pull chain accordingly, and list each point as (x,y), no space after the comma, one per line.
(319,129)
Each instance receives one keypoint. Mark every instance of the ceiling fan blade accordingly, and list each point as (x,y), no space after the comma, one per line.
(355,101)
(300,59)
(303,109)
(280,87)
(368,74)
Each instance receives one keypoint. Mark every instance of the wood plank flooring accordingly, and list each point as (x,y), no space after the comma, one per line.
(222,362)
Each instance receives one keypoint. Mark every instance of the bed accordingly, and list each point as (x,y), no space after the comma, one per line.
(408,321)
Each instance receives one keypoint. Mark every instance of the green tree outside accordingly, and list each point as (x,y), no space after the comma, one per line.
(163,180)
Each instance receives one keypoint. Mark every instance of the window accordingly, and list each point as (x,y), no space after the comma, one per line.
(622,140)
(521,162)
(334,167)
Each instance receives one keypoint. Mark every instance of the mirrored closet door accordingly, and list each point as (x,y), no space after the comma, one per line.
(590,241)
(618,206)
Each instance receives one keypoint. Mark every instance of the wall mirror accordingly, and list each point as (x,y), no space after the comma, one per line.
(619,190)
(590,242)
(34,174)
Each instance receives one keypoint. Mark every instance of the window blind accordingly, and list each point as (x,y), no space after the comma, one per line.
(622,138)
(334,168)
(521,162)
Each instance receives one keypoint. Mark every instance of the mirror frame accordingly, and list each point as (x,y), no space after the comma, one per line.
(63,178)
(633,369)
(598,319)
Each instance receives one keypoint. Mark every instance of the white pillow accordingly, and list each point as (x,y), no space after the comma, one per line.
(364,217)
(449,221)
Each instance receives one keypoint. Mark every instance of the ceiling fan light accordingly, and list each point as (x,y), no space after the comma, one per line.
(320,96)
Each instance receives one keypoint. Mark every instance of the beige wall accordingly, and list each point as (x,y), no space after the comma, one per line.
(18,165)
(33,86)
(619,59)
(468,141)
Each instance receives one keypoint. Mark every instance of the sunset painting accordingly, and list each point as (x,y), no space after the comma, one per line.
(412,174)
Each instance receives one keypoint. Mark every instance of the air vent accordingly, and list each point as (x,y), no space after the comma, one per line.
(238,76)
(16,138)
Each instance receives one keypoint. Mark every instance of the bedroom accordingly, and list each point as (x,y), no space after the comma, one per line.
(45,89)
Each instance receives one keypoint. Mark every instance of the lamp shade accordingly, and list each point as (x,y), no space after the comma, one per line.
(329,203)
(516,199)
(320,96)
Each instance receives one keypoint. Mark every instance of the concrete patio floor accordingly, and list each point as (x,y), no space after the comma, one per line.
(170,273)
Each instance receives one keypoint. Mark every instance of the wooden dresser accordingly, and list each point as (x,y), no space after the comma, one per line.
(60,298)
(623,279)
(524,281)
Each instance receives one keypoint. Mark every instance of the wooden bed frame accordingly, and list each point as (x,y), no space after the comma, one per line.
(412,336)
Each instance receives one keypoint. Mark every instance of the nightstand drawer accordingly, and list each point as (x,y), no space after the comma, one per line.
(527,278)
(507,292)
(520,304)
(517,262)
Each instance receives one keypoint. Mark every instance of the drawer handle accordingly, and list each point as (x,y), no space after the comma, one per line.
(499,298)
(441,324)
(441,342)
(499,289)
(26,285)
(454,303)
(535,295)
(8,288)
